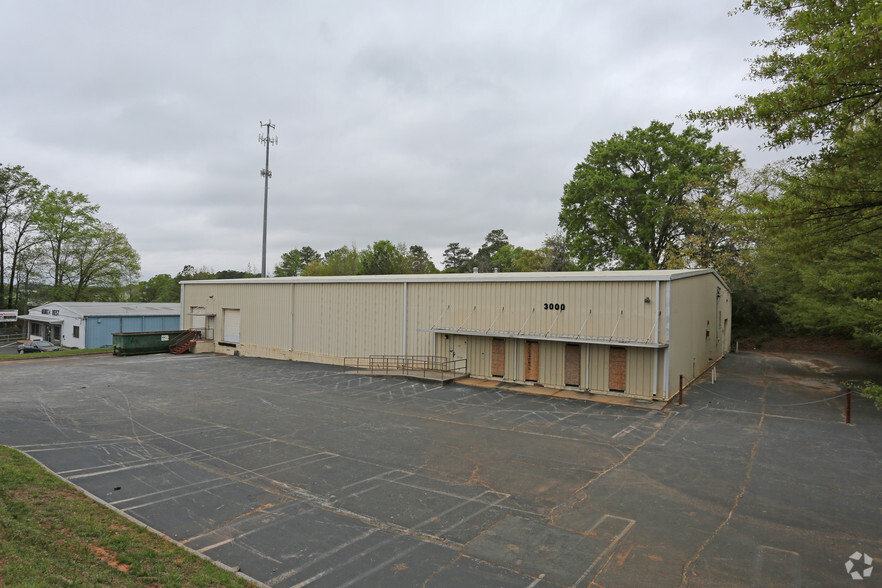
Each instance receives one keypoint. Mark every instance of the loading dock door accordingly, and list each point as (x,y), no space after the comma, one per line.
(497,358)
(617,368)
(531,361)
(573,366)
(231,325)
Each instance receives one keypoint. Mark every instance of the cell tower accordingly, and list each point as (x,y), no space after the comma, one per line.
(267,174)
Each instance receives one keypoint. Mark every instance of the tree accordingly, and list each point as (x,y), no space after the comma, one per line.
(21,195)
(100,256)
(230,274)
(457,258)
(825,73)
(384,258)
(419,262)
(622,208)
(557,253)
(159,288)
(337,262)
(510,258)
(64,217)
(493,242)
(188,272)
(825,70)
(294,261)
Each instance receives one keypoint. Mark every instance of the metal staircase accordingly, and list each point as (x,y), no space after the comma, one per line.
(184,342)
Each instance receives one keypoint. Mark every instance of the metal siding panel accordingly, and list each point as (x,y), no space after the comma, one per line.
(132,324)
(155,323)
(100,330)
(573,365)
(598,370)
(531,361)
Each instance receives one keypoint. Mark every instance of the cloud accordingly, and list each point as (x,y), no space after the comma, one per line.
(413,122)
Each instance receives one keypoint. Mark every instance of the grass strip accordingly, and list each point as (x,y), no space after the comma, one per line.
(51,534)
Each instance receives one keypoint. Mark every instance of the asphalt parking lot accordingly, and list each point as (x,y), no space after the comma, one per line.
(299,474)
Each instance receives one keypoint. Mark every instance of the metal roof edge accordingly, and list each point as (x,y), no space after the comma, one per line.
(601,276)
(700,272)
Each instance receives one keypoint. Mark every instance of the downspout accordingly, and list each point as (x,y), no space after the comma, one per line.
(655,351)
(668,339)
(405,320)
(291,330)
(183,305)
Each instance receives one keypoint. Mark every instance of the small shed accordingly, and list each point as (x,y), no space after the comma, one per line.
(89,325)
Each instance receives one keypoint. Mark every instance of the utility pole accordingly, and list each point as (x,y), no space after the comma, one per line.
(267,174)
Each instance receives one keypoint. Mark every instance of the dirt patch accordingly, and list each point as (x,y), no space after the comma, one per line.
(813,364)
(108,558)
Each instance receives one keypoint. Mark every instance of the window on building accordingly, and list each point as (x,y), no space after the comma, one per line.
(45,311)
(76,332)
(54,313)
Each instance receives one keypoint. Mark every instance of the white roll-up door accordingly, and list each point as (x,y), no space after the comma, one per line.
(231,325)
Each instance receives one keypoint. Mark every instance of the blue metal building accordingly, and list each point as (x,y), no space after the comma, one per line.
(89,325)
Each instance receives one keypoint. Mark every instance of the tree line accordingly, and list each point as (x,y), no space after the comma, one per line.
(497,254)
(54,246)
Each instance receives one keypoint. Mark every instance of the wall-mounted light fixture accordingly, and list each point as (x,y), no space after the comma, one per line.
(646,300)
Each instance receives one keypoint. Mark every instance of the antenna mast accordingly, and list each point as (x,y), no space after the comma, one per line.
(267,174)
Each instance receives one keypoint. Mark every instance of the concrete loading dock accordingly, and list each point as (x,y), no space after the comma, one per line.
(629,333)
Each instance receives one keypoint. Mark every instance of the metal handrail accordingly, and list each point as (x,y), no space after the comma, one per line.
(407,364)
(189,334)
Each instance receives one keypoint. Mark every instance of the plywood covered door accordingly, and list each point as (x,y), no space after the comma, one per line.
(617,368)
(531,361)
(497,358)
(573,366)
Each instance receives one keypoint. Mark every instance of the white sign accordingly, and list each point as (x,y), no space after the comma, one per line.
(8,316)
(163,338)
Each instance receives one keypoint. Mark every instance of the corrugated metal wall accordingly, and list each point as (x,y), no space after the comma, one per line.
(100,329)
(698,317)
(593,309)
(327,321)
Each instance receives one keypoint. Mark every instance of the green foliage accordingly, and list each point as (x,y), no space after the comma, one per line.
(159,288)
(21,195)
(101,257)
(294,261)
(493,242)
(557,253)
(230,274)
(384,258)
(191,273)
(337,262)
(818,257)
(870,390)
(824,69)
(630,200)
(457,258)
(419,261)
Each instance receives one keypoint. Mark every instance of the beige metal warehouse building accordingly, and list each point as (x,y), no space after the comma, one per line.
(626,332)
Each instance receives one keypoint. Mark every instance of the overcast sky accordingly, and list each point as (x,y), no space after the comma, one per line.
(418,122)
